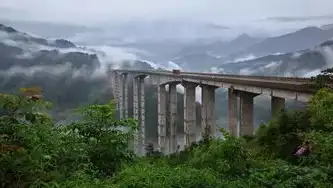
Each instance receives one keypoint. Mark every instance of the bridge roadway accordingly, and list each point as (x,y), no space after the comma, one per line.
(297,84)
(241,91)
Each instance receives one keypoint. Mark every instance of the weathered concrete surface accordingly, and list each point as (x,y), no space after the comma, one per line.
(277,104)
(116,90)
(173,116)
(246,126)
(167,122)
(162,116)
(136,112)
(208,120)
(121,95)
(289,88)
(142,111)
(232,110)
(189,113)
(125,81)
(241,91)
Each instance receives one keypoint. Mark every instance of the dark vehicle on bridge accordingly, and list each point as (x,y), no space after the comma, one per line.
(176,71)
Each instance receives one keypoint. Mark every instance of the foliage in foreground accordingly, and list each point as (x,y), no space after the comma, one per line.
(94,152)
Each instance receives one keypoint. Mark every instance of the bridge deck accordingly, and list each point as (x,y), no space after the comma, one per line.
(285,83)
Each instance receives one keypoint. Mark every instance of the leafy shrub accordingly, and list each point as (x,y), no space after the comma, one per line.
(321,147)
(321,109)
(108,138)
(281,174)
(35,152)
(94,151)
(148,176)
(281,136)
(227,156)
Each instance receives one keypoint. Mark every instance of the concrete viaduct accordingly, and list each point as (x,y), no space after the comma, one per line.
(241,91)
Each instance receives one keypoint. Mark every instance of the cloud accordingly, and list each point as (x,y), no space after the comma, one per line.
(106,54)
(244,58)
(300,18)
(54,70)
(327,52)
(224,19)
(227,12)
(246,71)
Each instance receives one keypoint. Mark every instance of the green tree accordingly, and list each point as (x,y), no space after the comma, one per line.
(321,109)
(32,151)
(108,138)
(283,134)
(325,79)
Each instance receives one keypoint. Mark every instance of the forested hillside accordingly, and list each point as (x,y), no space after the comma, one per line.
(94,152)
(71,76)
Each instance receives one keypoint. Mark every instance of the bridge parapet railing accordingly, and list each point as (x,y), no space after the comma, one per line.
(275,78)
(286,83)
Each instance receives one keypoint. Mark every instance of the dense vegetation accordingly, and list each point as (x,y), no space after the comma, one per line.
(94,152)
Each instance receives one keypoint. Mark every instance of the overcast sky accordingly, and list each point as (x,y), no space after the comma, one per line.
(226,12)
(255,17)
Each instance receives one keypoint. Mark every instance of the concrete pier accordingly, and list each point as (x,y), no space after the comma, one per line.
(141,105)
(162,116)
(241,91)
(232,112)
(246,126)
(167,123)
(116,90)
(189,113)
(121,96)
(173,142)
(136,113)
(277,104)
(208,120)
(125,91)
(113,84)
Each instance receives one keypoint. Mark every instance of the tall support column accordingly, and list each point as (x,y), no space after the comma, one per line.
(246,126)
(232,112)
(112,81)
(125,80)
(277,104)
(116,90)
(208,121)
(173,142)
(162,116)
(167,122)
(121,96)
(142,131)
(136,113)
(189,113)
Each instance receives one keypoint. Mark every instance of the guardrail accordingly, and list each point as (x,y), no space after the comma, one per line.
(285,83)
(277,78)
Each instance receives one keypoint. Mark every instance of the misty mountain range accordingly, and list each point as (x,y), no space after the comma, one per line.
(262,51)
(73,75)
(69,75)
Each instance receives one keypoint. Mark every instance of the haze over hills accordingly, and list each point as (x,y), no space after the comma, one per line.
(291,42)
(67,47)
(251,48)
(303,63)
(79,70)
(212,54)
(222,48)
(48,30)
